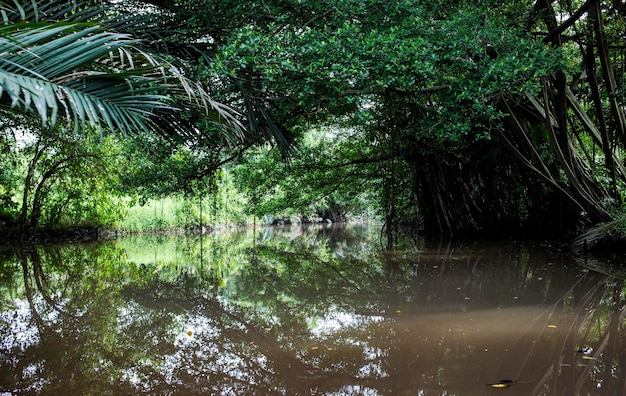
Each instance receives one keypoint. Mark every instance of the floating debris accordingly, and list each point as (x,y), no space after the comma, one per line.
(504,383)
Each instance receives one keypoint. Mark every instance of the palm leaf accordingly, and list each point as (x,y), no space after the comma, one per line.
(75,61)
(53,10)
(32,56)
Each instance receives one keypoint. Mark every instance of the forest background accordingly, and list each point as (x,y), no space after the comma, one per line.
(443,117)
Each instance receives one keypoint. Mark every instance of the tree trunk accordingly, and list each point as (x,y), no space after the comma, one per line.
(32,166)
(617,110)
(39,195)
(605,140)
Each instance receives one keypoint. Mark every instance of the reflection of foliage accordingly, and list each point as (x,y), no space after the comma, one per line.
(304,312)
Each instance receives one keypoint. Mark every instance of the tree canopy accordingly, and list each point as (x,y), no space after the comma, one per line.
(489,115)
(453,116)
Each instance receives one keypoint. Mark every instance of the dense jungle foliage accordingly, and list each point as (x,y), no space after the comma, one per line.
(444,116)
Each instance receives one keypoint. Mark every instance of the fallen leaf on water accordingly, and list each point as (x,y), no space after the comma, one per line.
(503,383)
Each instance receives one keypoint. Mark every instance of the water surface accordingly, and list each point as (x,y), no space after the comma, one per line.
(308,311)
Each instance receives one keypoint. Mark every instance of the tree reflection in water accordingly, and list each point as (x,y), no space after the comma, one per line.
(300,311)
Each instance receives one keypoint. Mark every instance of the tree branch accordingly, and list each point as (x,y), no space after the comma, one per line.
(570,21)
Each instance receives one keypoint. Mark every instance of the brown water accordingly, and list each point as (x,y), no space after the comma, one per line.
(317,311)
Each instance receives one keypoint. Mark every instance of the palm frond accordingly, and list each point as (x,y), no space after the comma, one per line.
(39,74)
(54,49)
(76,61)
(16,11)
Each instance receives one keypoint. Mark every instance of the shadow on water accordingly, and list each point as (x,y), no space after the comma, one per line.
(301,311)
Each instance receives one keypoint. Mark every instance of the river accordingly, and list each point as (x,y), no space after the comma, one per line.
(320,310)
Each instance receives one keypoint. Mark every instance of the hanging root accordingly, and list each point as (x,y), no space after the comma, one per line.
(599,234)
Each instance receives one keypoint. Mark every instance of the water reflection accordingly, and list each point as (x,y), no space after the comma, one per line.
(300,311)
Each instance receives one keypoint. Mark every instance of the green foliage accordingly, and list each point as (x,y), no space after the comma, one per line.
(415,86)
(335,65)
(221,206)
(158,168)
(322,181)
(153,215)
(68,179)
(459,115)
(9,181)
(87,70)
(92,67)
(424,83)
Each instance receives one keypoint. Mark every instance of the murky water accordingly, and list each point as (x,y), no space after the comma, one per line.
(317,311)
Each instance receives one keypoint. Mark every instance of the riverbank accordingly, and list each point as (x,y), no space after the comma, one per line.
(612,247)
